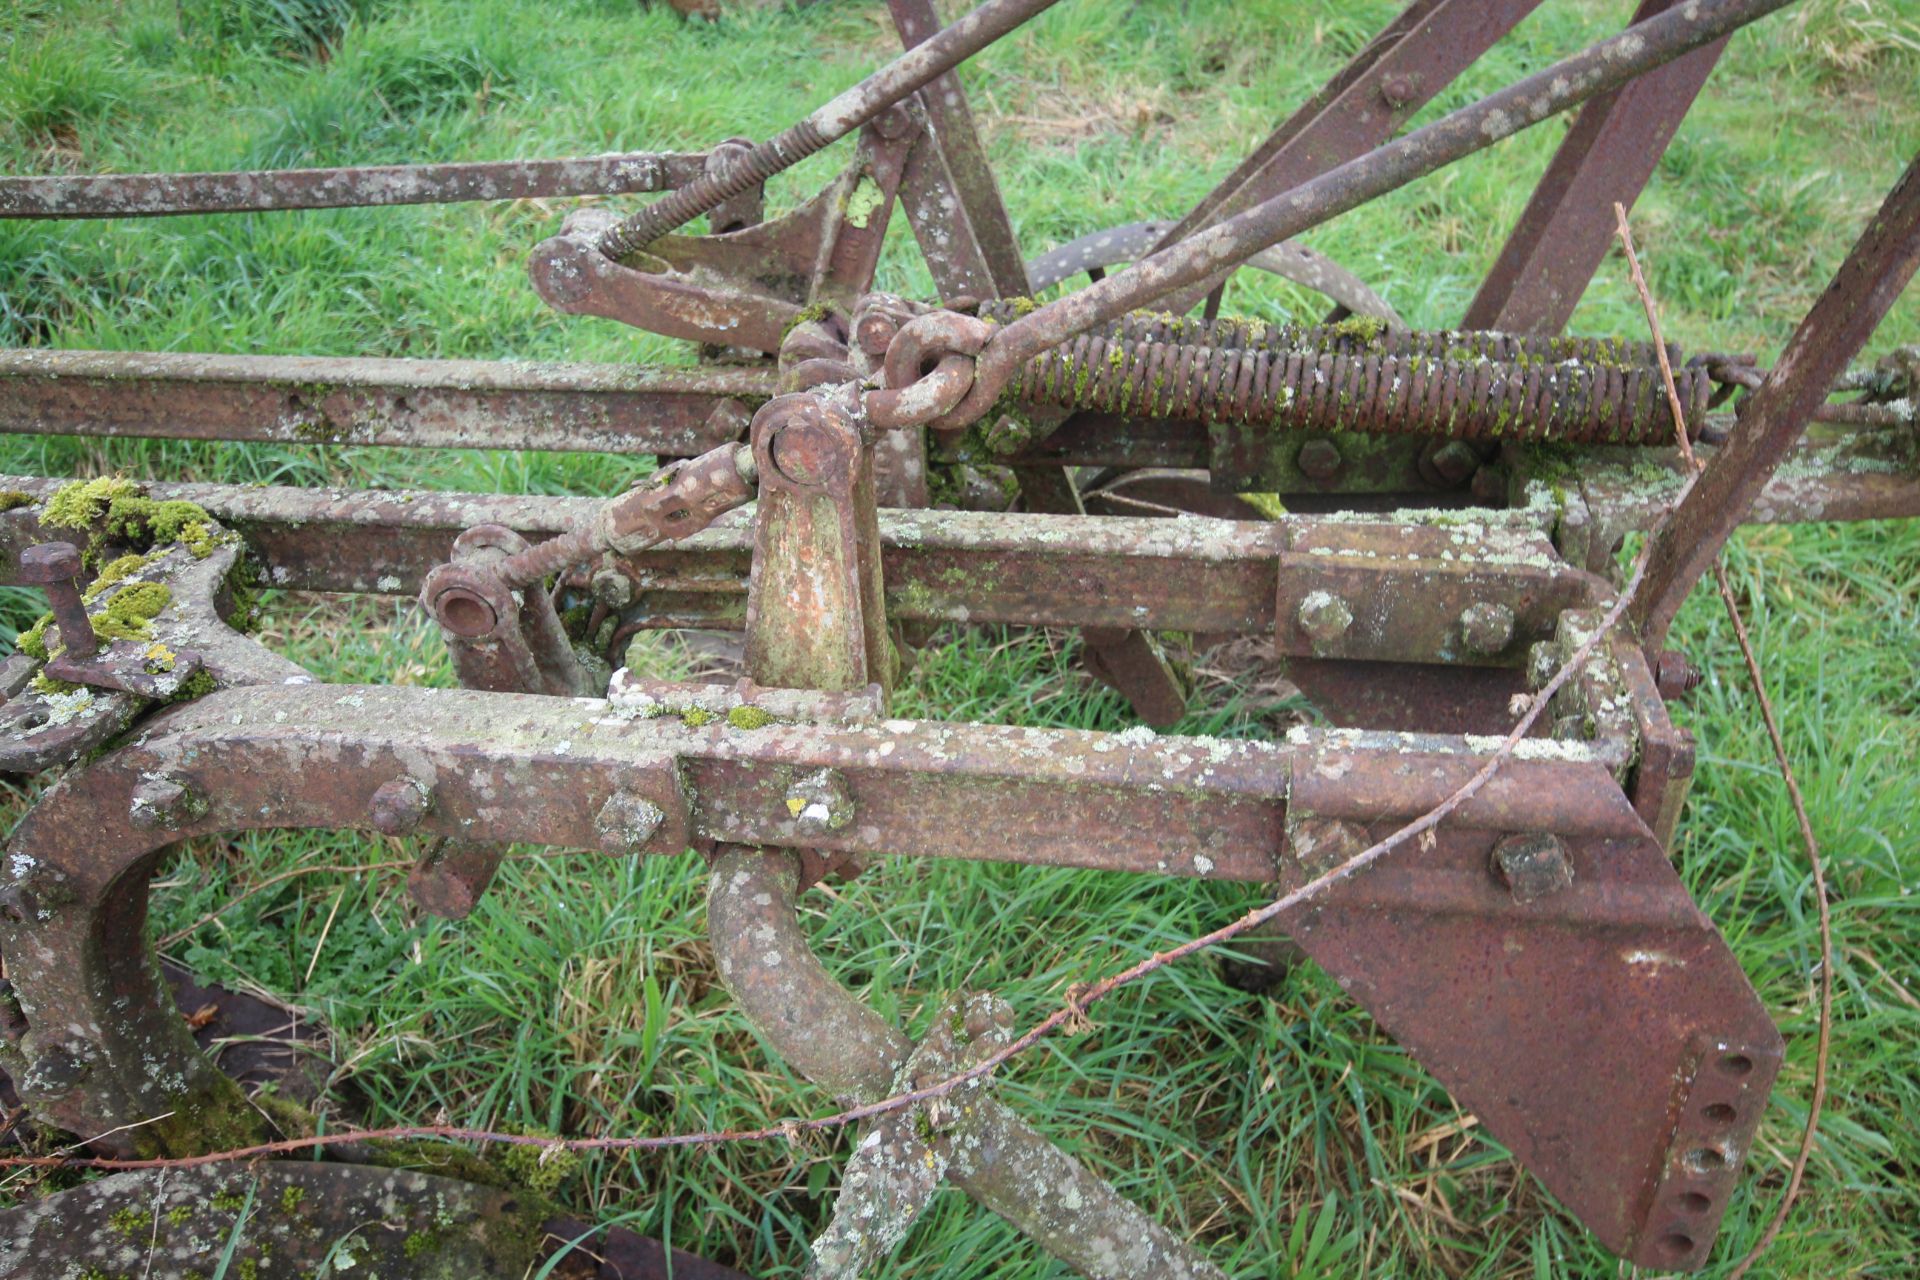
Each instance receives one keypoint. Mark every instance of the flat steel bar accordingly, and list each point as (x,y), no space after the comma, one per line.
(941,566)
(968,240)
(1598,69)
(474,404)
(155,195)
(1607,157)
(833,120)
(1773,418)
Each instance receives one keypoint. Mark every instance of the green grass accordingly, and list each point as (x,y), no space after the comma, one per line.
(1286,1134)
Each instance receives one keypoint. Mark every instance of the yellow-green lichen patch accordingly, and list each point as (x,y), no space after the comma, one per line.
(865,197)
(148,522)
(46,684)
(12,498)
(750,717)
(130,613)
(78,505)
(540,1169)
(33,641)
(115,571)
(696,717)
(1364,330)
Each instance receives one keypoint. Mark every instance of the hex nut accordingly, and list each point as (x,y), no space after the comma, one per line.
(1320,844)
(1324,617)
(820,802)
(1486,628)
(612,588)
(628,821)
(1318,460)
(1674,676)
(162,804)
(1534,865)
(399,806)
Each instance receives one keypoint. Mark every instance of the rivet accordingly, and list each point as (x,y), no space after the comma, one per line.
(628,820)
(400,805)
(1486,627)
(1324,616)
(820,802)
(1397,90)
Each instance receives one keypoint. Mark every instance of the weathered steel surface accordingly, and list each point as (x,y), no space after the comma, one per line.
(949,189)
(146,195)
(1608,155)
(816,611)
(470,404)
(1878,267)
(834,1039)
(290,1220)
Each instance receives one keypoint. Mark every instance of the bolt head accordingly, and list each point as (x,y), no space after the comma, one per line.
(1324,617)
(1452,463)
(820,802)
(1534,865)
(49,562)
(399,806)
(627,821)
(1486,628)
(1320,844)
(1318,460)
(612,588)
(1397,90)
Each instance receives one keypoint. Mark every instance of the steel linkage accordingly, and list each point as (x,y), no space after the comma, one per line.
(1538,954)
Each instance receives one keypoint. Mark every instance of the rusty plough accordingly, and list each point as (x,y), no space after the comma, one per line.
(1454,501)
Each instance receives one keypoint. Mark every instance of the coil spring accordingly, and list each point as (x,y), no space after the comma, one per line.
(710,190)
(1347,377)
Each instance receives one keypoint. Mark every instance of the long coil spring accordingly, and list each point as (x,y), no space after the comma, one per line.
(1362,376)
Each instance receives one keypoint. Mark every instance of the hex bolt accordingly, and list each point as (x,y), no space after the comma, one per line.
(1674,676)
(820,802)
(399,806)
(1486,627)
(52,566)
(161,804)
(1534,865)
(1324,616)
(1318,460)
(1448,464)
(628,821)
(53,1075)
(612,588)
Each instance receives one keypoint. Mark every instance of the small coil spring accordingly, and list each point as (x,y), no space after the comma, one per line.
(1367,378)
